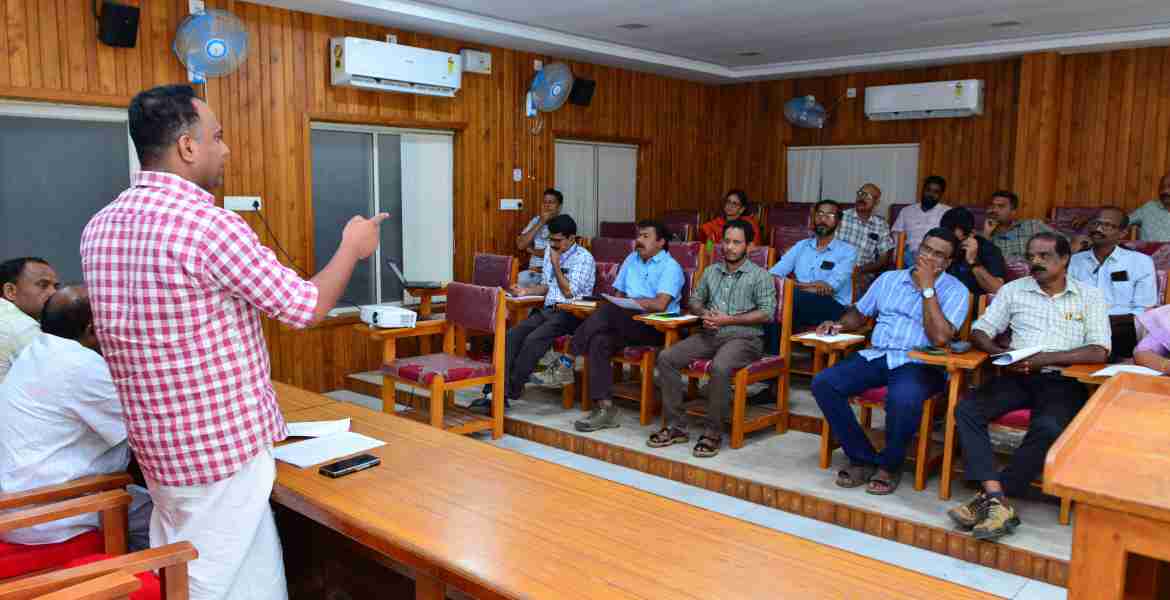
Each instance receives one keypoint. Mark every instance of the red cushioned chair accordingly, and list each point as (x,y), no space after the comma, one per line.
(618,229)
(469,308)
(784,237)
(1160,253)
(683,223)
(763,256)
(792,214)
(896,209)
(102,494)
(745,420)
(81,577)
(612,250)
(873,398)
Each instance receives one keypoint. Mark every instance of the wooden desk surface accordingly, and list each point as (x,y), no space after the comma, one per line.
(967,361)
(518,527)
(1116,452)
(292,398)
(660,324)
(1084,373)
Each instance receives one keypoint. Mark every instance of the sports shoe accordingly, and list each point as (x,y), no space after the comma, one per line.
(599,418)
(966,515)
(558,375)
(997,520)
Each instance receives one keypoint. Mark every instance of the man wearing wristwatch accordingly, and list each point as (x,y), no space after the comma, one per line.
(979,263)
(922,306)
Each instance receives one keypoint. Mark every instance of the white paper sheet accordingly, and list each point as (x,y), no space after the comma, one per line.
(678,318)
(528,297)
(829,339)
(1112,370)
(1015,356)
(626,303)
(317,428)
(324,449)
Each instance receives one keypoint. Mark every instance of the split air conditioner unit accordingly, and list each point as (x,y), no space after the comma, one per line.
(938,99)
(373,65)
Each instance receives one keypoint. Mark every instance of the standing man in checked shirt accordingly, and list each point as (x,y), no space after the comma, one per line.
(915,307)
(735,299)
(869,233)
(1069,320)
(568,272)
(177,286)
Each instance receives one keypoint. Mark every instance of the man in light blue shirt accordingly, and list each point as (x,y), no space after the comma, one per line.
(652,278)
(1127,278)
(923,306)
(823,266)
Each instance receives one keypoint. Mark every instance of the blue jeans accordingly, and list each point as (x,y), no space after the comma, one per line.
(909,386)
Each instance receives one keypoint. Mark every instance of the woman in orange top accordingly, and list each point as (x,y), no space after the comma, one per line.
(735,206)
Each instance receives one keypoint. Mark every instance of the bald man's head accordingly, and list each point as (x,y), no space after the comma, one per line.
(67,314)
(867,199)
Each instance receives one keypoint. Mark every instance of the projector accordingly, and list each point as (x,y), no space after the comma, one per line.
(388,315)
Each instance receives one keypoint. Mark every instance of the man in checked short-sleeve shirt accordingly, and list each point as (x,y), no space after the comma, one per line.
(177,285)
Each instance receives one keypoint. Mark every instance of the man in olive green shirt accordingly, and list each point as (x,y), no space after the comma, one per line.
(734,299)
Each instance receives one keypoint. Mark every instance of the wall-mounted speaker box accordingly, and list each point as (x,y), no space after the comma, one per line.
(582,92)
(118,25)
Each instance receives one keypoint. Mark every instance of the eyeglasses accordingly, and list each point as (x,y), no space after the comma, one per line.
(864,194)
(829,214)
(1103,225)
(733,201)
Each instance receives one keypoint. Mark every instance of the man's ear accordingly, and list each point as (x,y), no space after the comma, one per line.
(10,292)
(186,145)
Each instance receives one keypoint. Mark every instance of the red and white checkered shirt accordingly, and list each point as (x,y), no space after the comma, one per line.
(176,285)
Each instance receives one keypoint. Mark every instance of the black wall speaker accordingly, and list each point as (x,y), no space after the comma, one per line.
(582,92)
(118,25)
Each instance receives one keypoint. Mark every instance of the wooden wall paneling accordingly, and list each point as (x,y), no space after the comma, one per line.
(17,28)
(1036,147)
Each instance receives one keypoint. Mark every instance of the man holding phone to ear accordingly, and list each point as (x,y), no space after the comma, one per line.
(915,307)
(177,286)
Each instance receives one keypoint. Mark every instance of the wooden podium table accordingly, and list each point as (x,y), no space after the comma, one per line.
(1114,461)
(498,524)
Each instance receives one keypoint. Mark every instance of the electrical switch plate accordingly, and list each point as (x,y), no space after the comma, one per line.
(242,203)
(511,204)
(517,174)
(851,93)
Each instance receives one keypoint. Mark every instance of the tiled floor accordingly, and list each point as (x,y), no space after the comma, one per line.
(790,461)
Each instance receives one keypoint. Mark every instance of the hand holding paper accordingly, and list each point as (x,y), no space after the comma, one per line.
(1015,356)
(626,303)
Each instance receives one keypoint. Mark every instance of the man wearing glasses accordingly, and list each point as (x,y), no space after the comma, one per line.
(1125,277)
(868,233)
(823,267)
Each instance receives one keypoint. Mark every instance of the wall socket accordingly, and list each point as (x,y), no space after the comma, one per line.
(242,203)
(851,93)
(511,204)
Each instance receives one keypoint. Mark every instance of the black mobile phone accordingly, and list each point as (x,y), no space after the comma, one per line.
(349,465)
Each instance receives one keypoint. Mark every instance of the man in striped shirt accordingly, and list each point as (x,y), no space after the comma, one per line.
(1068,322)
(923,306)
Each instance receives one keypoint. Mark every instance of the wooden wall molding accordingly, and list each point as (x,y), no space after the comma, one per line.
(364,119)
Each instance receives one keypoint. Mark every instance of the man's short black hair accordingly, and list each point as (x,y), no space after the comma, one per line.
(11,270)
(1124,217)
(1063,248)
(958,217)
(67,320)
(562,224)
(660,230)
(938,179)
(158,117)
(555,193)
(749,233)
(836,206)
(1010,195)
(945,235)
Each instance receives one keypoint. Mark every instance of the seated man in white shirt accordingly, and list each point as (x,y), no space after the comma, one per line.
(1127,278)
(25,284)
(63,420)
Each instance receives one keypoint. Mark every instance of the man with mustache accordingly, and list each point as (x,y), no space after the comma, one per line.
(923,306)
(1126,277)
(917,219)
(1154,216)
(1001,227)
(652,278)
(869,233)
(823,266)
(735,299)
(1068,320)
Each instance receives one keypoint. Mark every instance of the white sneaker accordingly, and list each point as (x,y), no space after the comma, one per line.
(556,376)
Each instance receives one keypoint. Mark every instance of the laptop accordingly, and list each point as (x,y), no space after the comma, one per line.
(425,285)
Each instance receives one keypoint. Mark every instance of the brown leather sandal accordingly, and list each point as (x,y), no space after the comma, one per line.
(707,447)
(667,436)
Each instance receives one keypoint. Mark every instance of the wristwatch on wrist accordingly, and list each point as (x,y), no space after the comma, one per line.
(928,292)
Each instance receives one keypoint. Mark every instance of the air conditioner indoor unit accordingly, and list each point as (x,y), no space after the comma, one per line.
(937,99)
(373,65)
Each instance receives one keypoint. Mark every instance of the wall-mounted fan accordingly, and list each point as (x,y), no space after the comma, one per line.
(804,111)
(549,90)
(210,44)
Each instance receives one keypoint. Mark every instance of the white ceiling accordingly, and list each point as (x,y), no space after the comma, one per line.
(702,39)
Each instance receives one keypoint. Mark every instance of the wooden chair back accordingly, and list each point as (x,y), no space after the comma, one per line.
(900,250)
(170,560)
(763,256)
(495,270)
(785,293)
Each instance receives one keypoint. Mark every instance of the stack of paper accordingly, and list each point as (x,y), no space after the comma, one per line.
(626,303)
(324,449)
(1015,356)
(1112,370)
(829,339)
(317,428)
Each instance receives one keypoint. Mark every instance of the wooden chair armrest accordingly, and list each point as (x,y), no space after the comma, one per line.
(69,489)
(421,328)
(664,326)
(172,559)
(111,586)
(47,513)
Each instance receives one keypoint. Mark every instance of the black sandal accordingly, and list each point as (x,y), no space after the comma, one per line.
(855,475)
(707,447)
(890,484)
(667,436)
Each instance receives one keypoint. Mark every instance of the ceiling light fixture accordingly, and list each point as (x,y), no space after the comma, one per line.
(1005,24)
(747,54)
(633,26)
